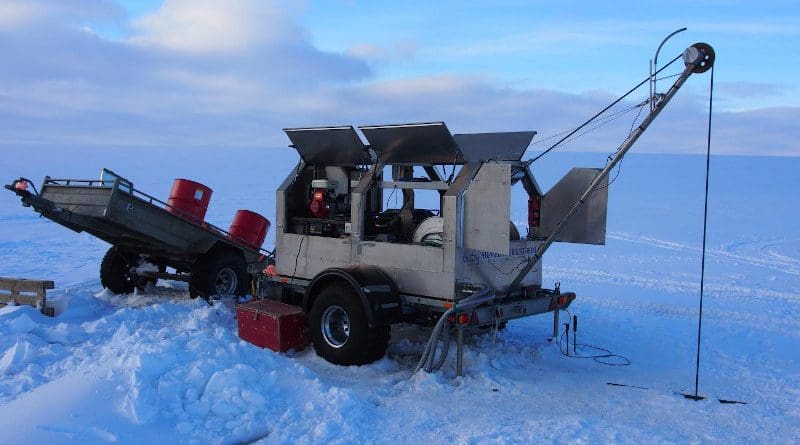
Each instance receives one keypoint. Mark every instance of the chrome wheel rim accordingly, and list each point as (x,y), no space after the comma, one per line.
(335,326)
(226,282)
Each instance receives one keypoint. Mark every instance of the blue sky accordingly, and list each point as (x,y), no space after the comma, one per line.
(211,73)
(573,46)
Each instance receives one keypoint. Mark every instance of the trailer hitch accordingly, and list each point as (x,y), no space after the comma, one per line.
(20,186)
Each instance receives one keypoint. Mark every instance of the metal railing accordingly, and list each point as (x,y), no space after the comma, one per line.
(125,186)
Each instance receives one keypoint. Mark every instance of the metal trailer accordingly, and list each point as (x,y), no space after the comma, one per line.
(146,235)
(357,267)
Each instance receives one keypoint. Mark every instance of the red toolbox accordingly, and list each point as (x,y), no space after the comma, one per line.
(274,325)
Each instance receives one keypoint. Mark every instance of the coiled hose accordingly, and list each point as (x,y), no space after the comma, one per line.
(428,361)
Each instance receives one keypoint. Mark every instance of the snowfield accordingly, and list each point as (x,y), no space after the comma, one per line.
(156,367)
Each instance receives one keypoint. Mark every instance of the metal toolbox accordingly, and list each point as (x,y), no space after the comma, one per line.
(274,325)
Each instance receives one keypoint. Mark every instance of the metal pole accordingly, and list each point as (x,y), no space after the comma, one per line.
(652,93)
(460,351)
(623,149)
(555,322)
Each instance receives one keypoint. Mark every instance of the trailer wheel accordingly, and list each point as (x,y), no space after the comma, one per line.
(339,329)
(116,272)
(219,273)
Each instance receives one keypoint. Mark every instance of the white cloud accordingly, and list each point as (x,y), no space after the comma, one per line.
(21,13)
(15,13)
(201,26)
(402,50)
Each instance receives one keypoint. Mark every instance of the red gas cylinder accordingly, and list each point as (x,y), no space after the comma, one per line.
(534,209)
(249,229)
(189,199)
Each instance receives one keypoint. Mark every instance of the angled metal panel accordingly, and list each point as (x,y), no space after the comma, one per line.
(487,207)
(588,225)
(329,145)
(481,147)
(418,144)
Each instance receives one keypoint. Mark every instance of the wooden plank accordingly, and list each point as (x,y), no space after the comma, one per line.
(25,291)
(25,285)
(31,300)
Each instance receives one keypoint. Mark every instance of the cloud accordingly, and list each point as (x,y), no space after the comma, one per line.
(203,26)
(402,50)
(767,131)
(748,90)
(16,14)
(184,78)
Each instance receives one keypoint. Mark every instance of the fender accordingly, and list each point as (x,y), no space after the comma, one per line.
(377,292)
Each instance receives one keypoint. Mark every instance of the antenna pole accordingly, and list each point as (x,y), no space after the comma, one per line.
(654,66)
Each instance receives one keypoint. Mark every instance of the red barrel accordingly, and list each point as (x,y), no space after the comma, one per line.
(249,228)
(189,199)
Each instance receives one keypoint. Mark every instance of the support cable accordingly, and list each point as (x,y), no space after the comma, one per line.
(705,227)
(613,116)
(529,162)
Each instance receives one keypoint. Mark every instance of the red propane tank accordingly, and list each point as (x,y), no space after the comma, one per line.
(534,207)
(189,199)
(249,229)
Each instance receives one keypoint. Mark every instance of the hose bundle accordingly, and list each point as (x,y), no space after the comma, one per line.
(440,333)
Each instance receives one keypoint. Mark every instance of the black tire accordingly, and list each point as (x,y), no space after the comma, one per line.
(116,271)
(219,273)
(359,345)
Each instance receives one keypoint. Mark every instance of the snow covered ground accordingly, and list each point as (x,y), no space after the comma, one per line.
(160,368)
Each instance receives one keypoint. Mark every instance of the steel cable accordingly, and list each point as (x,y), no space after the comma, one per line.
(705,227)
(598,114)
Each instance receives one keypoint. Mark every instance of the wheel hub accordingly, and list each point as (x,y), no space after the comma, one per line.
(226,282)
(335,326)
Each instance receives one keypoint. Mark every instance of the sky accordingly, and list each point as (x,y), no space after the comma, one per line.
(216,74)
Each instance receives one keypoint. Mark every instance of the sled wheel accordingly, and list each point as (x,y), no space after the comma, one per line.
(339,329)
(116,271)
(219,273)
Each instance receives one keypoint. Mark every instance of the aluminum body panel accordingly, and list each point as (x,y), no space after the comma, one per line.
(316,253)
(329,145)
(414,268)
(417,144)
(487,209)
(483,147)
(84,200)
(453,214)
(588,225)
(496,270)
